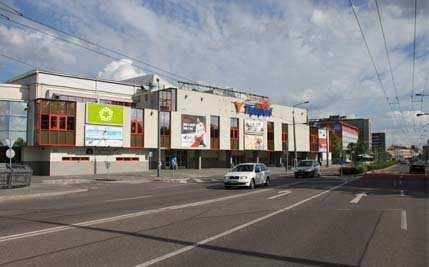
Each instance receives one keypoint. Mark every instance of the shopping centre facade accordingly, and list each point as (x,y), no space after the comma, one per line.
(64,124)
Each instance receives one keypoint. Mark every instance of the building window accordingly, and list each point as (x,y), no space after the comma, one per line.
(214,132)
(314,139)
(127,159)
(137,128)
(165,128)
(55,122)
(167,100)
(284,137)
(234,133)
(13,122)
(270,135)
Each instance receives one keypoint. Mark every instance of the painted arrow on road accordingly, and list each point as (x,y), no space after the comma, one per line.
(358,198)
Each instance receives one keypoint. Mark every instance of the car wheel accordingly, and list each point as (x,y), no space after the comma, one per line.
(313,174)
(267,181)
(252,184)
(227,187)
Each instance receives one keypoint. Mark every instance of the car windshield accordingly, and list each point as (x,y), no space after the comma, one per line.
(243,168)
(305,163)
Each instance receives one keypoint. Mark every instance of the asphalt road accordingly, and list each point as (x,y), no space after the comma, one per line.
(329,221)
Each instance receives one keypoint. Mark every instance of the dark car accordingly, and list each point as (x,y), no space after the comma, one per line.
(417,167)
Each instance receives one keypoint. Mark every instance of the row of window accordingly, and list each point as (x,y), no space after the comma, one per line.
(87,159)
(56,125)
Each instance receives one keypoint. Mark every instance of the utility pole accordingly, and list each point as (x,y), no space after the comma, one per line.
(294,132)
(327,146)
(158,170)
(295,154)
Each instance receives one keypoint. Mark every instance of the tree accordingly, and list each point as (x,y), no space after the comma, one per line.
(360,148)
(336,147)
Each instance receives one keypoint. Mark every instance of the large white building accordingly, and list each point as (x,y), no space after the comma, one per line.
(65,124)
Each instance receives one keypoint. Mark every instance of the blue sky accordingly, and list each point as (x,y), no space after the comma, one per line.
(287,50)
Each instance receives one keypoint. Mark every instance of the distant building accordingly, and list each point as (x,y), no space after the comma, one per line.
(345,132)
(378,142)
(400,152)
(363,126)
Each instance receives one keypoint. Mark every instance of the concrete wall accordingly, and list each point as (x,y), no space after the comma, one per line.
(302,138)
(80,124)
(49,161)
(224,134)
(150,128)
(126,128)
(13,92)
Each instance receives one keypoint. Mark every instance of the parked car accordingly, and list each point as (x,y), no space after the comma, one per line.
(307,168)
(248,175)
(417,167)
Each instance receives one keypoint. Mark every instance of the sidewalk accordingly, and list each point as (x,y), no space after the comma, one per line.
(38,190)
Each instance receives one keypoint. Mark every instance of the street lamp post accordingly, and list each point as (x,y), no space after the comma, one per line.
(295,159)
(158,169)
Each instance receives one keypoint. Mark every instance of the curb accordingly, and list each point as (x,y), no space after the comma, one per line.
(41,195)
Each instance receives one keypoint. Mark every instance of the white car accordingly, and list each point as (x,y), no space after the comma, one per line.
(307,168)
(248,175)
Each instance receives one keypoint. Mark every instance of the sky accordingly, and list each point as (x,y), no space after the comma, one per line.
(289,50)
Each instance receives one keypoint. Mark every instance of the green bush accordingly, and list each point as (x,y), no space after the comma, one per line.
(366,167)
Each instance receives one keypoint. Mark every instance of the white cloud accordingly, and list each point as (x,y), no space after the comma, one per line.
(120,70)
(318,17)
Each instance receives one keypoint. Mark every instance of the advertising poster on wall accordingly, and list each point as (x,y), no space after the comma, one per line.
(104,114)
(194,132)
(254,142)
(254,127)
(323,144)
(103,136)
(254,134)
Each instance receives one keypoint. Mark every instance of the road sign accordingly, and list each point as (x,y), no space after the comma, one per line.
(150,154)
(10,153)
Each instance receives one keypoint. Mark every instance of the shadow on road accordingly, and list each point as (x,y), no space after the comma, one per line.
(139,234)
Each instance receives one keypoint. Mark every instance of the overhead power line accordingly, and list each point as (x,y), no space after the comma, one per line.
(413,64)
(374,65)
(386,49)
(93,44)
(414,52)
(17,60)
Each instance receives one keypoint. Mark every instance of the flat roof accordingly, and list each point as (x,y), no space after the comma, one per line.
(77,76)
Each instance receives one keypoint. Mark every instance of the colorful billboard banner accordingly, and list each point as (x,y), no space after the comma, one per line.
(257,108)
(323,141)
(254,127)
(104,136)
(254,142)
(104,114)
(194,132)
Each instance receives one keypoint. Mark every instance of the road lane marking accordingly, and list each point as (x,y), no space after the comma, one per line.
(404,220)
(281,193)
(358,198)
(235,229)
(129,198)
(125,216)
